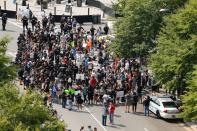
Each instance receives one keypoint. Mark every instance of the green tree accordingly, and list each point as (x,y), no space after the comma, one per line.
(136,31)
(26,112)
(7,70)
(190,100)
(176,49)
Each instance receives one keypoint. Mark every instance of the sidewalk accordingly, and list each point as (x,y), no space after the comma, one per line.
(192,125)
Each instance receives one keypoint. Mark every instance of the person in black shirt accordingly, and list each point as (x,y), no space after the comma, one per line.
(44,22)
(33,22)
(25,23)
(134,103)
(64,99)
(106,29)
(146,105)
(80,28)
(92,30)
(4,21)
(51,19)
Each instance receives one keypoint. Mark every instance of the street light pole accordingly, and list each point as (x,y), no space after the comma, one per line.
(41,1)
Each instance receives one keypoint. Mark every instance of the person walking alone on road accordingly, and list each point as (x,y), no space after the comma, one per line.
(104,114)
(146,106)
(4,21)
(134,103)
(111,112)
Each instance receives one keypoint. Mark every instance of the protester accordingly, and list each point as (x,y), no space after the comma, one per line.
(146,106)
(25,22)
(79,101)
(105,112)
(134,103)
(128,102)
(4,21)
(82,128)
(90,128)
(111,112)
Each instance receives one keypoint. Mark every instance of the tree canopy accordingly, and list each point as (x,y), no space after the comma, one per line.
(136,31)
(7,70)
(26,112)
(190,100)
(176,49)
(21,112)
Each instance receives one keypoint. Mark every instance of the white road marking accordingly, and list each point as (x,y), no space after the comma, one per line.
(145,129)
(95,118)
(11,54)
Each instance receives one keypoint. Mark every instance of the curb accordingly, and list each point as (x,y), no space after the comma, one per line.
(191,125)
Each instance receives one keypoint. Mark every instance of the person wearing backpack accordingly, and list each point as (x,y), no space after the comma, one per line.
(134,103)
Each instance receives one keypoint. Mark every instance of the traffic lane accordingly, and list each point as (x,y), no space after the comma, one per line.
(137,121)
(122,121)
(13,31)
(75,119)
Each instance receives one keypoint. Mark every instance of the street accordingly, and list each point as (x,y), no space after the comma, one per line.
(91,115)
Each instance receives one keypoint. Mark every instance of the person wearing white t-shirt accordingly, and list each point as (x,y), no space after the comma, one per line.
(127,66)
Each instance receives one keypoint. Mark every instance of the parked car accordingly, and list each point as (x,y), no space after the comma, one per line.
(177,101)
(164,107)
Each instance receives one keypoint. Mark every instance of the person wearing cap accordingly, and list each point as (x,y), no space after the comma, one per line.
(4,21)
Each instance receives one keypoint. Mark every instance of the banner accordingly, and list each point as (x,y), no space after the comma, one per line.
(120,94)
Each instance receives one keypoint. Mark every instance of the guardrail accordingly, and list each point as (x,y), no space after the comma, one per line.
(95,19)
(106,10)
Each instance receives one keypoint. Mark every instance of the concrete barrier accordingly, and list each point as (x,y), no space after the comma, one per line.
(107,10)
(9,13)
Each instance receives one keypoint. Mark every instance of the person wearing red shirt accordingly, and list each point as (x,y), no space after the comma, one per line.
(93,82)
(111,112)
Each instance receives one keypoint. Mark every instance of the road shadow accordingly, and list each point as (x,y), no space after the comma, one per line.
(79,111)
(138,113)
(173,120)
(115,115)
(113,126)
(119,125)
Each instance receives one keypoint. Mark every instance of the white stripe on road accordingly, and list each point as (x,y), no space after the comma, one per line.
(11,54)
(145,129)
(95,118)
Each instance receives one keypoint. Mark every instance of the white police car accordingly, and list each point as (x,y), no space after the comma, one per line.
(164,107)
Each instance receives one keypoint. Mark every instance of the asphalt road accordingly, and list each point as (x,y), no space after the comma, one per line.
(91,115)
